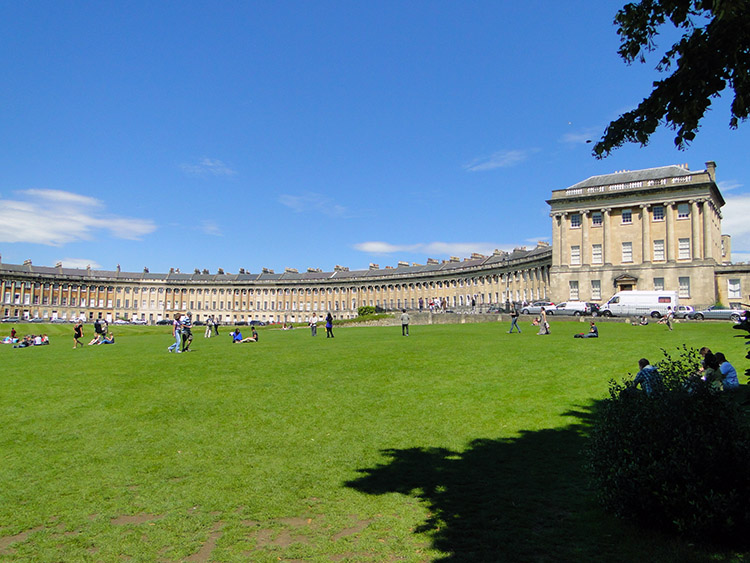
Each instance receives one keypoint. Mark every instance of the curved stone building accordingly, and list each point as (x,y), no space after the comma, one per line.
(651,229)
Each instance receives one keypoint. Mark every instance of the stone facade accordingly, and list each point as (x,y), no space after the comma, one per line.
(647,229)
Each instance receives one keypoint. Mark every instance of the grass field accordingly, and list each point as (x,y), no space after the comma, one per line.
(458,443)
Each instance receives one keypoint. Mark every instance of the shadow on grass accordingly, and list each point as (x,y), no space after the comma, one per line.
(517,499)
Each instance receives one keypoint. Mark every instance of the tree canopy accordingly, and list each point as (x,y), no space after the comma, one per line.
(712,54)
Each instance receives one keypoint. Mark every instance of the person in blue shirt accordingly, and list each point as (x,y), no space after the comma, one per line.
(592,333)
(648,378)
(728,373)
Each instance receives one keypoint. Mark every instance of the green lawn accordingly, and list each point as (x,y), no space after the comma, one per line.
(458,443)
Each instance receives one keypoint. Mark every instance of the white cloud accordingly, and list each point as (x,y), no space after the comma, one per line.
(211,228)
(55,218)
(207,167)
(729,185)
(500,159)
(80,263)
(313,202)
(735,223)
(435,248)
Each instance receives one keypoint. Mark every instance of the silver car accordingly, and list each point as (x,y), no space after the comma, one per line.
(536,307)
(722,314)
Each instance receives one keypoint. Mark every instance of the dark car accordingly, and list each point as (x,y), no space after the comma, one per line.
(164,322)
(257,323)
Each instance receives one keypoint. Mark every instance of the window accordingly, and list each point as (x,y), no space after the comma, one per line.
(573,290)
(734,290)
(684,287)
(596,219)
(658,284)
(658,250)
(627,216)
(575,221)
(684,249)
(683,210)
(627,251)
(596,254)
(658,213)
(575,255)
(596,290)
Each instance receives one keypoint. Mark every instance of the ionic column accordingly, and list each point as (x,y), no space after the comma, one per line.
(707,229)
(695,245)
(645,234)
(606,253)
(669,242)
(584,237)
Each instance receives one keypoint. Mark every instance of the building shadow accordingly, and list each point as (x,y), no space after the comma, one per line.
(525,498)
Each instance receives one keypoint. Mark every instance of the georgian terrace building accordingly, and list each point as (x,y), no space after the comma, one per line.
(647,230)
(30,291)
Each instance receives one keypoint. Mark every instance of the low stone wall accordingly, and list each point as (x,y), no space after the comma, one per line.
(451,318)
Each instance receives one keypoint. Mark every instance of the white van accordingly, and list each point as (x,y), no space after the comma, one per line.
(636,303)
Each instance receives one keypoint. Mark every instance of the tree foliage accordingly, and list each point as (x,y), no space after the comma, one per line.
(712,54)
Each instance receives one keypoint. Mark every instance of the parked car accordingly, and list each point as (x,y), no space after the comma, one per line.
(536,307)
(715,313)
(121,322)
(495,308)
(576,308)
(683,311)
(164,322)
(256,323)
(139,322)
(11,319)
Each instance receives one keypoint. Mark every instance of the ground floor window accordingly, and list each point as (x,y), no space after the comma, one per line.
(684,287)
(596,290)
(658,284)
(573,285)
(734,289)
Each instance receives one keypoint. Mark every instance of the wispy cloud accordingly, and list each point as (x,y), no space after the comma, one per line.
(582,136)
(499,159)
(207,167)
(313,202)
(729,185)
(56,217)
(80,263)
(436,248)
(211,228)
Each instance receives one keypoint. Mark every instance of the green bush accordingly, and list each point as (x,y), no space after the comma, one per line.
(365,310)
(677,460)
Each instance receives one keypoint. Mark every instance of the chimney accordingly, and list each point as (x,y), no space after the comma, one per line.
(374,266)
(711,169)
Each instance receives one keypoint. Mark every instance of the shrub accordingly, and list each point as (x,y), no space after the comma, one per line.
(679,459)
(365,310)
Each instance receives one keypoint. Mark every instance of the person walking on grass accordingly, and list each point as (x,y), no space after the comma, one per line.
(186,322)
(77,335)
(514,319)
(176,334)
(329,325)
(404,323)
(543,324)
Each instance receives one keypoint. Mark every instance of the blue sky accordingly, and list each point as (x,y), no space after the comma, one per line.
(313,134)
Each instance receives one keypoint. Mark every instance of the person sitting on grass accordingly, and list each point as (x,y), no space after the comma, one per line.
(27,341)
(109,339)
(648,378)
(592,333)
(728,374)
(236,336)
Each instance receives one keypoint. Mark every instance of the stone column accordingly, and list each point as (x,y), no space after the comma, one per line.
(585,250)
(564,250)
(606,236)
(669,242)
(695,245)
(707,229)
(645,234)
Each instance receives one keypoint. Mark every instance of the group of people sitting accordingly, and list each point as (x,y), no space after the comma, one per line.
(717,371)
(714,370)
(28,340)
(237,336)
(102,338)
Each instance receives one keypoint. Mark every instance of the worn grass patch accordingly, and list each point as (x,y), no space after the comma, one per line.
(460,443)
